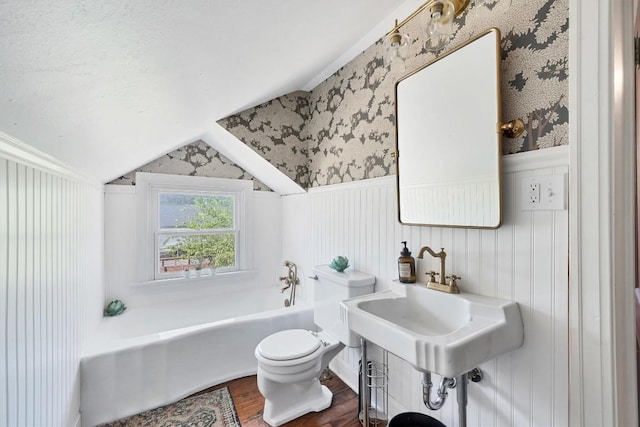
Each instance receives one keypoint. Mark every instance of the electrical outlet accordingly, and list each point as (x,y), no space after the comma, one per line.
(534,193)
(543,193)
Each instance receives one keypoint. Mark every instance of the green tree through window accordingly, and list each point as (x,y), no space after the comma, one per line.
(213,214)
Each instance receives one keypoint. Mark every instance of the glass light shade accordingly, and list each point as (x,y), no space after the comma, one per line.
(396,51)
(483,8)
(437,43)
(438,25)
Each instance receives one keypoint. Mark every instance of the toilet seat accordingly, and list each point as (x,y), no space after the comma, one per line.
(288,345)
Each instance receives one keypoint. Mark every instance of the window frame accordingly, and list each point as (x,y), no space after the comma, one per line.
(148,188)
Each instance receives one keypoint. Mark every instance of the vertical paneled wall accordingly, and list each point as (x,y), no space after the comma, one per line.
(525,260)
(46,261)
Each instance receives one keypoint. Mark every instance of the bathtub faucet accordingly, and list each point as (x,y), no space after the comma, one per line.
(290,281)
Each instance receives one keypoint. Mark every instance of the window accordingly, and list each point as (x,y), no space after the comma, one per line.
(191,223)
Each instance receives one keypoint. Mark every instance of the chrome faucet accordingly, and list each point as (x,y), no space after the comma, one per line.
(290,281)
(441,285)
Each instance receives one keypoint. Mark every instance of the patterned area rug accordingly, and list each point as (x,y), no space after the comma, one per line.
(213,409)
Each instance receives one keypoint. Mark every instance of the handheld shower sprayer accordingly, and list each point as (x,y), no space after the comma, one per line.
(290,281)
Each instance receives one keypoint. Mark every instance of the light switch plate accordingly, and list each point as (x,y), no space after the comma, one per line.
(543,193)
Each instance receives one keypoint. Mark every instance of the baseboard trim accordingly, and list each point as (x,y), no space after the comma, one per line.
(78,421)
(395,408)
(345,372)
(349,376)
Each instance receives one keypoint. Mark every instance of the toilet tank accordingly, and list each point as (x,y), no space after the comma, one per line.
(329,289)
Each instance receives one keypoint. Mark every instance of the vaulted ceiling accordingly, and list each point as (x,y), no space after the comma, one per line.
(105,86)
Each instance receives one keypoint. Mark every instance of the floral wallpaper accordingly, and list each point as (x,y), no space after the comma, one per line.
(349,126)
(277,131)
(343,130)
(195,159)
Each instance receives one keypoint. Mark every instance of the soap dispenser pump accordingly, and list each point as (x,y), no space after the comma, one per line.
(406,266)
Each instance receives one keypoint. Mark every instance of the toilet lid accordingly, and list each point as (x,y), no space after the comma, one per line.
(287,345)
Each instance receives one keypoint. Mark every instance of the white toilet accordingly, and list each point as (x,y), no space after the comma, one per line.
(290,362)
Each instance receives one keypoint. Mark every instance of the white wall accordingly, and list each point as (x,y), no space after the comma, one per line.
(525,260)
(50,267)
(121,273)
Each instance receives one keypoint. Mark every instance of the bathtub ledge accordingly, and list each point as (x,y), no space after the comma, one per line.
(231,275)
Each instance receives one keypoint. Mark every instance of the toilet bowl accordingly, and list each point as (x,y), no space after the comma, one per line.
(289,365)
(290,362)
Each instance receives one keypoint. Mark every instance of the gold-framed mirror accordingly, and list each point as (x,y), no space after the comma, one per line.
(448,140)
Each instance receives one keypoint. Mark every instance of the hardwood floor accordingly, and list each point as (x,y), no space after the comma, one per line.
(249,403)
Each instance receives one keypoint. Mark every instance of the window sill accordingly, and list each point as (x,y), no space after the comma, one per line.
(231,275)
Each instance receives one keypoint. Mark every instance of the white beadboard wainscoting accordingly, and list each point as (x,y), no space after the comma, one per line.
(50,262)
(525,260)
(122,260)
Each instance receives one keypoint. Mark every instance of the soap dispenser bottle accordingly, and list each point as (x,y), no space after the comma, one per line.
(406,266)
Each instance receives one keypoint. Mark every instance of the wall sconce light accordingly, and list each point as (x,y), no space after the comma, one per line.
(438,23)
(438,20)
(396,50)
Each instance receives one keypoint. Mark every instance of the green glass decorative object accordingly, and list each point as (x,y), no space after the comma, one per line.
(115,308)
(339,263)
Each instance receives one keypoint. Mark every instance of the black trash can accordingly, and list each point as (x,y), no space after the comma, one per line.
(414,419)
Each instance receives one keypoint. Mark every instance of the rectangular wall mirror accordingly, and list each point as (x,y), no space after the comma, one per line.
(448,115)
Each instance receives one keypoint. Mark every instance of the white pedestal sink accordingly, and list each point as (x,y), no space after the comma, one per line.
(447,334)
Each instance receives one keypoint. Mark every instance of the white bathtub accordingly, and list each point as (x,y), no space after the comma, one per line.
(152,356)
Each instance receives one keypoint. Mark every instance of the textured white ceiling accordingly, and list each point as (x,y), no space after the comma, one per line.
(106,86)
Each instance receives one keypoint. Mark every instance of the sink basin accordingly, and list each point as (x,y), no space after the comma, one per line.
(447,334)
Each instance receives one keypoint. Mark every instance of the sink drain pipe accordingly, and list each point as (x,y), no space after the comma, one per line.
(441,393)
(461,381)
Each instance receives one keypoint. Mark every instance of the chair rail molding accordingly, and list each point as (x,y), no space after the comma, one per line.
(15,150)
